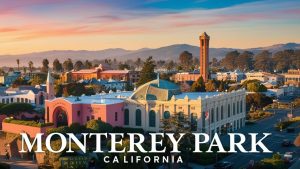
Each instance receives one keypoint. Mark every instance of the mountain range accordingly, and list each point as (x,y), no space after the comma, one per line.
(163,53)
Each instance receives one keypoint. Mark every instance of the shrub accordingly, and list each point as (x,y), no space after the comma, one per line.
(15,108)
(77,128)
(62,130)
(98,126)
(27,123)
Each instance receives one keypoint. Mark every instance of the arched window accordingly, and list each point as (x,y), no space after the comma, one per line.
(233,107)
(238,107)
(193,121)
(212,112)
(217,118)
(222,112)
(241,107)
(228,110)
(167,115)
(181,116)
(152,118)
(138,117)
(126,117)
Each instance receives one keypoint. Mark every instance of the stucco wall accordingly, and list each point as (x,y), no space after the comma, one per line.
(17,129)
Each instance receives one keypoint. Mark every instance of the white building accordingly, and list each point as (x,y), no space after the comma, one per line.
(235,76)
(28,94)
(209,112)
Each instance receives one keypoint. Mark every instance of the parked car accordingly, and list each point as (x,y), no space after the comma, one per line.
(290,129)
(223,165)
(288,157)
(286,143)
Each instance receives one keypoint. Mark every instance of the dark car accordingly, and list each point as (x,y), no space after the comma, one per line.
(286,143)
(290,130)
(223,165)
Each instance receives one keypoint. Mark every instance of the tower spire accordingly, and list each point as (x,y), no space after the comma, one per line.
(204,55)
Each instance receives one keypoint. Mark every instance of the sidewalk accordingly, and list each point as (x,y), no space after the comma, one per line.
(20,164)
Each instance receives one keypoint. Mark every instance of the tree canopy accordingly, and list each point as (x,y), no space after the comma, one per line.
(147,72)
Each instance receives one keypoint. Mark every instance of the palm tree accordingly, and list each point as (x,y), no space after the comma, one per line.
(30,65)
(18,62)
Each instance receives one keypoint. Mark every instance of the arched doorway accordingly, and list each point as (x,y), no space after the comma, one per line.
(61,118)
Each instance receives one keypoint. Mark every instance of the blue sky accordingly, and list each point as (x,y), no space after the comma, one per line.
(39,25)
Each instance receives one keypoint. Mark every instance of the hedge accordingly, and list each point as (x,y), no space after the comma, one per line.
(14,108)
(27,123)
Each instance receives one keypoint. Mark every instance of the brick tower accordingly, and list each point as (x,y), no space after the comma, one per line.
(204,56)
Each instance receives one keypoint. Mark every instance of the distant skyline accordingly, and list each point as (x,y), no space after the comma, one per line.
(41,25)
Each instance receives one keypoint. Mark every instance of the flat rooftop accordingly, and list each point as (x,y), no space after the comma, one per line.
(196,95)
(102,98)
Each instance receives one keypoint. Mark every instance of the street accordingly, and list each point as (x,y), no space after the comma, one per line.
(272,142)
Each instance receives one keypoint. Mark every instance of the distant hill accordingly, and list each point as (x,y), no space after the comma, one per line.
(164,53)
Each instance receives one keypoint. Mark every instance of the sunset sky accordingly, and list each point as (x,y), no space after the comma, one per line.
(40,25)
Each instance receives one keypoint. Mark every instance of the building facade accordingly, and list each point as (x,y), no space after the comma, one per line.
(103,73)
(144,108)
(35,95)
(264,77)
(292,77)
(235,76)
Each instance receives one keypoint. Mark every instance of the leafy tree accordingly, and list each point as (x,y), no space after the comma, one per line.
(170,65)
(36,80)
(57,66)
(123,66)
(18,63)
(256,87)
(198,86)
(15,108)
(229,62)
(214,62)
(68,65)
(147,72)
(58,89)
(30,65)
(178,123)
(138,62)
(186,59)
(257,100)
(222,86)
(244,61)
(78,65)
(88,64)
(19,82)
(263,61)
(98,126)
(211,86)
(45,66)
(283,60)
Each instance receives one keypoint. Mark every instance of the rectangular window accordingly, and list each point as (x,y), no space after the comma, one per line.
(93,117)
(87,118)
(126,118)
(116,116)
(78,113)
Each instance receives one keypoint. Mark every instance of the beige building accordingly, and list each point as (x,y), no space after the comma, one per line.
(208,112)
(235,76)
(292,77)
(264,77)
(186,76)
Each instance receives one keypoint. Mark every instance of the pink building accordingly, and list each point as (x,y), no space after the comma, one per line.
(106,107)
